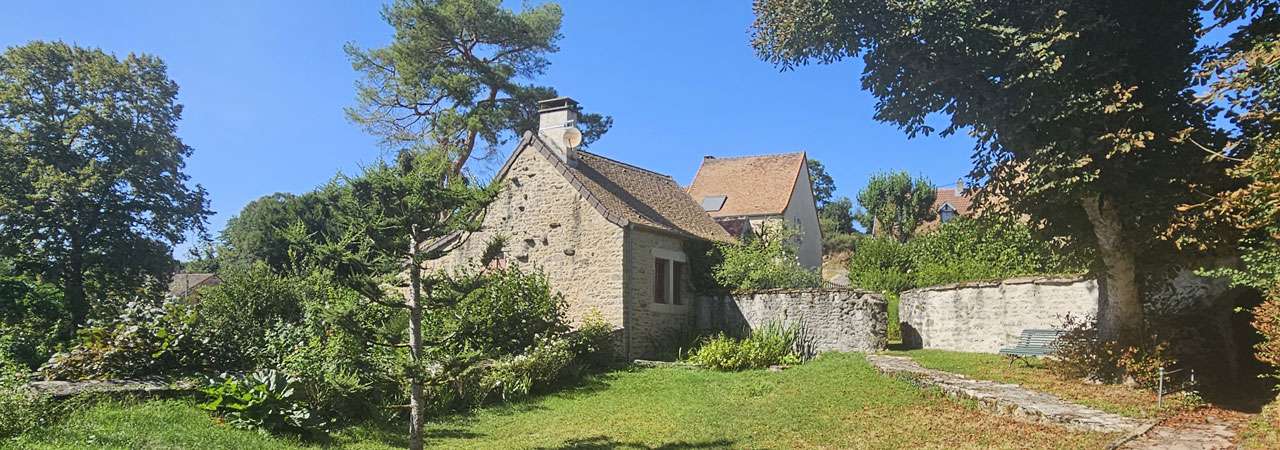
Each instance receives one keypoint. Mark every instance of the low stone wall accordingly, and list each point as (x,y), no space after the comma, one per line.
(829,319)
(986,316)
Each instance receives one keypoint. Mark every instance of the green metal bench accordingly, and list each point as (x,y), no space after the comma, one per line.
(1032,343)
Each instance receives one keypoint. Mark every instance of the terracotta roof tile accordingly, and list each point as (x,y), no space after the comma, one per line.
(184,283)
(753,185)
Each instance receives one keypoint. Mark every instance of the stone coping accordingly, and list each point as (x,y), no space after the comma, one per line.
(60,389)
(1042,279)
(794,291)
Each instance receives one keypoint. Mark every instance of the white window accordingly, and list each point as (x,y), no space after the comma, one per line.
(668,277)
(946,212)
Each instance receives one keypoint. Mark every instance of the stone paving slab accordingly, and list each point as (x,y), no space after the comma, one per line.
(1007,399)
(1209,434)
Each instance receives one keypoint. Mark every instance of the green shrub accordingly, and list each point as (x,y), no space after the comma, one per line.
(592,342)
(264,399)
(144,339)
(840,242)
(881,264)
(987,248)
(767,261)
(512,377)
(232,316)
(21,409)
(34,322)
(964,249)
(495,312)
(894,331)
(772,344)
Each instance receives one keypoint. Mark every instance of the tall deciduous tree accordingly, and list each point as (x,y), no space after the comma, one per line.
(92,189)
(259,231)
(395,215)
(1080,109)
(894,204)
(823,185)
(455,76)
(1244,75)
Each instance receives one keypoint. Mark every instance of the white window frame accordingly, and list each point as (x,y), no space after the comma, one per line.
(670,287)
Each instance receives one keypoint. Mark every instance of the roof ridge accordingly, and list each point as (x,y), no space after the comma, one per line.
(768,155)
(627,165)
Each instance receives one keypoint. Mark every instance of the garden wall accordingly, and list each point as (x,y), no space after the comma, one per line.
(986,316)
(829,319)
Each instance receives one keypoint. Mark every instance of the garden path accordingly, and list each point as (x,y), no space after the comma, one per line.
(1006,399)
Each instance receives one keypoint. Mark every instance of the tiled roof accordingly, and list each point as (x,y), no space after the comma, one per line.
(953,196)
(184,283)
(627,194)
(754,185)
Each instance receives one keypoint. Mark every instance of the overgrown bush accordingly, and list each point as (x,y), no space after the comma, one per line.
(840,242)
(964,249)
(772,344)
(881,264)
(34,322)
(515,376)
(766,261)
(144,339)
(1081,355)
(233,317)
(894,330)
(264,399)
(592,342)
(987,248)
(20,408)
(495,312)
(1266,319)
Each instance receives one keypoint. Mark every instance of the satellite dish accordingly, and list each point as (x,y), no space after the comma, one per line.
(571,138)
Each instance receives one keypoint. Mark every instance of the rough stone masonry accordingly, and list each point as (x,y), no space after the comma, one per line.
(829,319)
(985,316)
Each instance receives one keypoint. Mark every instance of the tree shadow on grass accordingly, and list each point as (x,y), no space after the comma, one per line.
(606,443)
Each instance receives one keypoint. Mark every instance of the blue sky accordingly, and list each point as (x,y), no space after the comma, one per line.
(264,84)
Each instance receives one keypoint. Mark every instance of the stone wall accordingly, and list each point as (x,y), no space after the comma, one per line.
(655,330)
(986,316)
(830,320)
(548,225)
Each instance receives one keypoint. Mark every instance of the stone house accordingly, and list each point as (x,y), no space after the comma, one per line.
(184,284)
(611,237)
(755,191)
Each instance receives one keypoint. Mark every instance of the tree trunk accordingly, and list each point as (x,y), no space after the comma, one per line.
(469,145)
(416,418)
(73,284)
(1120,314)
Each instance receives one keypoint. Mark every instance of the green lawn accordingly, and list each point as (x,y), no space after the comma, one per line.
(1116,399)
(836,401)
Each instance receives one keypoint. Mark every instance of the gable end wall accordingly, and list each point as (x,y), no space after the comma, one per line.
(550,226)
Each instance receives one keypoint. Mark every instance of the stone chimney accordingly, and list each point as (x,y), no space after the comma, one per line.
(554,116)
(959,186)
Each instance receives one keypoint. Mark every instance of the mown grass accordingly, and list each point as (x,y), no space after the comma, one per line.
(1117,399)
(835,401)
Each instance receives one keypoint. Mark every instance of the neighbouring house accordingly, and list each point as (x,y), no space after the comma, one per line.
(185,284)
(750,192)
(951,202)
(611,237)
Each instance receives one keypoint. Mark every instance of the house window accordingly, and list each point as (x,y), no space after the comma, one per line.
(660,277)
(667,275)
(946,213)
